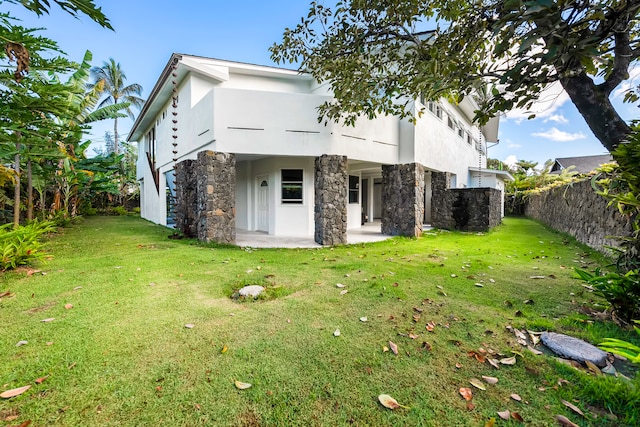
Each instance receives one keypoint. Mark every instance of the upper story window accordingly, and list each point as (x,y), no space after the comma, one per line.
(460,131)
(292,186)
(435,108)
(469,139)
(451,123)
(354,188)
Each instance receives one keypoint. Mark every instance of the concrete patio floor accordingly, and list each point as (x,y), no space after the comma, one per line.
(370,232)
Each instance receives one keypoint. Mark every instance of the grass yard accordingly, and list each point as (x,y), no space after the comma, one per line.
(122,356)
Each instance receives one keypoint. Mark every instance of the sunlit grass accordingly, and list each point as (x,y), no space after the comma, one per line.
(122,354)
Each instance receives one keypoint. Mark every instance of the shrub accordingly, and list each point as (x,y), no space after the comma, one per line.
(119,210)
(21,245)
(622,291)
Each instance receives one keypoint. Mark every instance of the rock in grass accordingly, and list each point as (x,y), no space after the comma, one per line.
(252,291)
(574,348)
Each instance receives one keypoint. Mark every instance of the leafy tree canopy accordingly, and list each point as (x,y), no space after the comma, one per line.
(377,59)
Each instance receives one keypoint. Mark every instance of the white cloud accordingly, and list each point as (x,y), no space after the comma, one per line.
(550,100)
(555,134)
(558,118)
(511,160)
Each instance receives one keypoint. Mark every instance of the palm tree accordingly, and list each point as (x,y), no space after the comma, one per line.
(112,79)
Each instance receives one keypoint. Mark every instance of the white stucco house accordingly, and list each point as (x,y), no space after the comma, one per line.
(266,119)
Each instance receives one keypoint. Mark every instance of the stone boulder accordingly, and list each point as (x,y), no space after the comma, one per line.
(574,348)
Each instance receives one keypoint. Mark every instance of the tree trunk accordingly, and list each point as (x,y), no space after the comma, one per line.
(16,193)
(115,136)
(595,106)
(29,192)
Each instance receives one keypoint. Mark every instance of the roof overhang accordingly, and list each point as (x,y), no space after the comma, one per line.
(503,175)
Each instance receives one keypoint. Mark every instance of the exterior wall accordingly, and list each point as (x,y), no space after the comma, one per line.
(439,148)
(403,199)
(331,200)
(580,212)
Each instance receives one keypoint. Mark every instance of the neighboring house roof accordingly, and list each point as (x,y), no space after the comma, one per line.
(581,164)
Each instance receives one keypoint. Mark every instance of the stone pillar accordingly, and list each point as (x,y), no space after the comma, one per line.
(403,199)
(441,201)
(330,214)
(216,197)
(186,198)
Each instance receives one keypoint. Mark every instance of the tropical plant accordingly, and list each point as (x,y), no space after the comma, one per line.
(622,291)
(623,348)
(21,245)
(377,58)
(111,78)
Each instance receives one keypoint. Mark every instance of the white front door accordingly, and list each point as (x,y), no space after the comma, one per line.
(263,204)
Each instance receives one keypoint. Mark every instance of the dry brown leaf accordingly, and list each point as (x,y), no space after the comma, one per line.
(242,386)
(516,416)
(494,363)
(344,291)
(394,347)
(41,379)
(471,406)
(508,360)
(466,393)
(68,306)
(480,358)
(14,392)
(389,402)
(490,380)
(505,415)
(565,422)
(516,397)
(573,407)
(416,317)
(412,336)
(24,424)
(459,365)
(593,368)
(477,383)
(431,326)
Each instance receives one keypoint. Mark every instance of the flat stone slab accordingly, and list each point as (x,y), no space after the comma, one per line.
(251,291)
(574,348)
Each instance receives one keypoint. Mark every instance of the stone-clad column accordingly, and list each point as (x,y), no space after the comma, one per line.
(186,198)
(330,214)
(403,199)
(216,197)
(441,201)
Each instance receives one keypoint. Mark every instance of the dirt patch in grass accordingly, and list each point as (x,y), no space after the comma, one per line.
(42,308)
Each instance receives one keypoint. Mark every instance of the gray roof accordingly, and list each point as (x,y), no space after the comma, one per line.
(581,164)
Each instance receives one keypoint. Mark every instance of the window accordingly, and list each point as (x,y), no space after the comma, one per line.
(451,123)
(292,186)
(469,139)
(354,188)
(460,131)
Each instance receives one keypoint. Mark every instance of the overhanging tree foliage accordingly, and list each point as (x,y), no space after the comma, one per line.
(377,59)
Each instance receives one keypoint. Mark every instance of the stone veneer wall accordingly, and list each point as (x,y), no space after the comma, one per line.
(441,201)
(330,213)
(579,211)
(186,198)
(403,199)
(468,209)
(215,175)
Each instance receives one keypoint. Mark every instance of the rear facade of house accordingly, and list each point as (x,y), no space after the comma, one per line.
(246,141)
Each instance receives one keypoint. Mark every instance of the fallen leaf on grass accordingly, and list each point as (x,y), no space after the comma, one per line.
(224,349)
(516,397)
(466,393)
(471,406)
(505,415)
(14,392)
(189,325)
(565,422)
(339,285)
(47,320)
(494,363)
(431,326)
(508,360)
(413,336)
(573,407)
(41,379)
(344,291)
(394,347)
(477,383)
(592,367)
(24,424)
(516,416)
(336,333)
(242,386)
(490,380)
(490,423)
(363,319)
(21,343)
(5,294)
(68,306)
(389,402)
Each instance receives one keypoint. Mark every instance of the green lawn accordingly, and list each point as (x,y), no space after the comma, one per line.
(122,356)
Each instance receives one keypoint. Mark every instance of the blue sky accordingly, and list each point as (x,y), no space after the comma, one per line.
(148,32)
